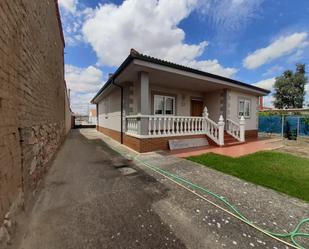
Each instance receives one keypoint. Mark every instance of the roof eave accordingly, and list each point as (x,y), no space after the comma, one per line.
(196,71)
(124,64)
(141,57)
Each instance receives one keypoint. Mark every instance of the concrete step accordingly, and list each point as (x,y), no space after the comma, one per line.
(232,143)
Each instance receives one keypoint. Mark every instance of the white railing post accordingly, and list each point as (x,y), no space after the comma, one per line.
(159,127)
(181,125)
(242,124)
(168,125)
(221,130)
(205,112)
(149,125)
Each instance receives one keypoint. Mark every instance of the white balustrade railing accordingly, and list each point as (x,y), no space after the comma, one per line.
(212,130)
(132,123)
(237,130)
(161,126)
(174,125)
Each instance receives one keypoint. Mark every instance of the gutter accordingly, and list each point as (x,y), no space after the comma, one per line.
(127,61)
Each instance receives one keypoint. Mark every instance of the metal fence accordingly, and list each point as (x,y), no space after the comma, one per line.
(286,125)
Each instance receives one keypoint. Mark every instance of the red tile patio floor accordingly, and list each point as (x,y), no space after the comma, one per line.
(246,148)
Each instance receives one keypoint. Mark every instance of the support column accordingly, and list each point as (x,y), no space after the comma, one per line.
(143,102)
(143,93)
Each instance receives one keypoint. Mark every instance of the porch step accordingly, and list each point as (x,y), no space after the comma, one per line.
(230,140)
(176,144)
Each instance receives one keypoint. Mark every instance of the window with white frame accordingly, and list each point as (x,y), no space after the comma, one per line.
(164,105)
(244,108)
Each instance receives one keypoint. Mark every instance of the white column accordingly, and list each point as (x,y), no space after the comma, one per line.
(242,129)
(143,93)
(221,130)
(143,102)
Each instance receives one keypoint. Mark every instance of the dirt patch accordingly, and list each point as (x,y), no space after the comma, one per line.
(299,147)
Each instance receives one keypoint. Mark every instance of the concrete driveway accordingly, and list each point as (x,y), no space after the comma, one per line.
(91,201)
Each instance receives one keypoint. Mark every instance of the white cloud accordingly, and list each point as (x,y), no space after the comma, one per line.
(297,56)
(68,5)
(83,79)
(273,70)
(280,47)
(229,15)
(151,27)
(148,26)
(84,84)
(268,100)
(73,17)
(213,66)
(267,84)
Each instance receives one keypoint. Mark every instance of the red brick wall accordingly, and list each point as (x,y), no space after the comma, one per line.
(32,96)
(153,144)
(116,135)
(251,134)
(145,144)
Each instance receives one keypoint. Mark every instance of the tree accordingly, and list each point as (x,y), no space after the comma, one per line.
(290,88)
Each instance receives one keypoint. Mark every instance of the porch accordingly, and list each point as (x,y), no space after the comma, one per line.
(156,126)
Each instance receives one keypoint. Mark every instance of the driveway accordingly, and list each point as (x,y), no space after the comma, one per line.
(91,201)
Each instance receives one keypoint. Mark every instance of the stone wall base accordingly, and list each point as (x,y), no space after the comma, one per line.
(9,224)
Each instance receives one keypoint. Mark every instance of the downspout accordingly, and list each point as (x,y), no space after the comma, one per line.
(97,112)
(121,110)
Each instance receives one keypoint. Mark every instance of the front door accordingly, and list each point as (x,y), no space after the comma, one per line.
(196,108)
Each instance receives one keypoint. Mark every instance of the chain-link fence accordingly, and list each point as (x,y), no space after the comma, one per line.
(290,126)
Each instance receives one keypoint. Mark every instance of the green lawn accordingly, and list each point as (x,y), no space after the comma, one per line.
(280,171)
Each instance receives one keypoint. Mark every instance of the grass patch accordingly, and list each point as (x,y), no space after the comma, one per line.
(283,172)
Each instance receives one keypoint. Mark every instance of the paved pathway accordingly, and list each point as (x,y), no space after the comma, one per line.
(88,203)
(251,146)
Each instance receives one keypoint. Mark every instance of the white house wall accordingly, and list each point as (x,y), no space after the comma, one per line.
(212,101)
(109,111)
(183,98)
(232,108)
(223,102)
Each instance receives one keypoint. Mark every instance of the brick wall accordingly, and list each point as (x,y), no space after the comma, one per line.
(32,96)
(146,144)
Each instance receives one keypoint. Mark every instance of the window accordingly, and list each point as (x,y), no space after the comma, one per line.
(244,108)
(164,105)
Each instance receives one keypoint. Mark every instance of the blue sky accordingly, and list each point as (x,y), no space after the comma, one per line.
(249,40)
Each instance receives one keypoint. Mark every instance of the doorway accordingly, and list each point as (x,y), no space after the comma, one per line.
(196,107)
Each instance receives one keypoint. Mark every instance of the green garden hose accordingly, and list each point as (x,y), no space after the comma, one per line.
(233,210)
(292,235)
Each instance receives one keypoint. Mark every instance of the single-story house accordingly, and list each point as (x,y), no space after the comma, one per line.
(149,101)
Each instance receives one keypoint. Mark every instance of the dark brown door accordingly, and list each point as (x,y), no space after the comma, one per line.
(196,108)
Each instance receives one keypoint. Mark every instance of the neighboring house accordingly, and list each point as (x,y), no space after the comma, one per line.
(262,106)
(93,116)
(148,102)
